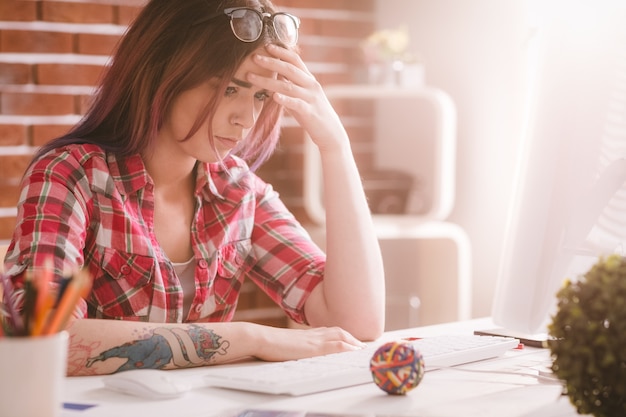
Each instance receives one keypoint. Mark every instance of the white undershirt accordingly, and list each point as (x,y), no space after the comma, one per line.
(186,273)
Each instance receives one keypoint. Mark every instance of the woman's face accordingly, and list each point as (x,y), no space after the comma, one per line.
(235,115)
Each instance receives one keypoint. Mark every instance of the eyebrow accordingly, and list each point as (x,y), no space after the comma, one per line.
(241,83)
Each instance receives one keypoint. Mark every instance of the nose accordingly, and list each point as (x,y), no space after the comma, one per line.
(245,113)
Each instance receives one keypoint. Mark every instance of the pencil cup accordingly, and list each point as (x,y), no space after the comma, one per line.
(32,372)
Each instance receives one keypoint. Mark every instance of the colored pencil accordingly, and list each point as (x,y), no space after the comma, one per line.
(45,297)
(30,301)
(77,288)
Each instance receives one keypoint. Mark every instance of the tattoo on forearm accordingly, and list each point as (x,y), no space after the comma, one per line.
(78,353)
(182,348)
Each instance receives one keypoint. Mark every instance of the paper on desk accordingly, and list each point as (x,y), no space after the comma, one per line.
(529,401)
(560,408)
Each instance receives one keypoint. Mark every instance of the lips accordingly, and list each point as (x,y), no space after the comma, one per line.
(226,142)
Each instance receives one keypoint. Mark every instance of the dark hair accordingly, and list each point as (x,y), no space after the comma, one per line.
(162,55)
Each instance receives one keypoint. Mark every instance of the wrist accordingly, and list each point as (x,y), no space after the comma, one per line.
(255,339)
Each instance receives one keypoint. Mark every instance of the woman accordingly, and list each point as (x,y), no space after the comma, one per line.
(151,193)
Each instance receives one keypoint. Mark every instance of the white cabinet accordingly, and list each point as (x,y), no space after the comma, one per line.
(415,132)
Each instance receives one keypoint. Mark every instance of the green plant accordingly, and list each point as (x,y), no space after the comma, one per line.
(589,346)
(387,45)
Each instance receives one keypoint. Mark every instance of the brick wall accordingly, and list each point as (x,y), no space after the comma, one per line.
(52,53)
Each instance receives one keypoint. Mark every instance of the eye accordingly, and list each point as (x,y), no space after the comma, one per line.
(262,95)
(230,90)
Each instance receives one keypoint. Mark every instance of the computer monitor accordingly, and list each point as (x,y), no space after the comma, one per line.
(569,197)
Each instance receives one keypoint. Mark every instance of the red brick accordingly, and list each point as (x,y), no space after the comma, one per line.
(333,78)
(359,5)
(36,104)
(20,10)
(327,53)
(42,134)
(13,135)
(15,73)
(12,167)
(9,192)
(94,44)
(35,41)
(348,29)
(363,109)
(82,103)
(7,225)
(126,14)
(291,136)
(80,12)
(68,74)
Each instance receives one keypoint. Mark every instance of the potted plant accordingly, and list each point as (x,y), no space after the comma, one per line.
(589,345)
(388,60)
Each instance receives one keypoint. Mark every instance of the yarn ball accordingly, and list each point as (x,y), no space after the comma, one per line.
(397,367)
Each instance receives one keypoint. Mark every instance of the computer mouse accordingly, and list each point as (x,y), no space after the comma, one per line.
(147,383)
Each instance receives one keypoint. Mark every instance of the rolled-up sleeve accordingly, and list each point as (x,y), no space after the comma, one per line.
(285,261)
(52,217)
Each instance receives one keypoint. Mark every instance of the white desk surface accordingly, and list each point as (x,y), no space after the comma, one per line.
(441,393)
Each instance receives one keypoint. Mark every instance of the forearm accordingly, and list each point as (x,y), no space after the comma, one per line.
(352,293)
(107,346)
(353,286)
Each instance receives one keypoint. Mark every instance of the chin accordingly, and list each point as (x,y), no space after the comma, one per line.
(212,158)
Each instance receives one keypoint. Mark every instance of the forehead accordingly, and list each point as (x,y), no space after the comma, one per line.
(248,65)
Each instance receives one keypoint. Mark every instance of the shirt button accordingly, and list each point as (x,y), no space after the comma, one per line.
(203,264)
(125,269)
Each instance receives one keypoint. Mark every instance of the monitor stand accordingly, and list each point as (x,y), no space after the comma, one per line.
(535,340)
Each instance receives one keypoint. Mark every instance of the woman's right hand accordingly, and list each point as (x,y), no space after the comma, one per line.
(280,344)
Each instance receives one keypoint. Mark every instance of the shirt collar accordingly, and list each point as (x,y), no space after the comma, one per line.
(215,179)
(128,172)
(212,179)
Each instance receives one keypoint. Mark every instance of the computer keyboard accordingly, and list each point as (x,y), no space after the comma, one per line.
(345,369)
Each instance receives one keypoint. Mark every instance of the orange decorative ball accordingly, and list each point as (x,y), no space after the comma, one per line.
(397,367)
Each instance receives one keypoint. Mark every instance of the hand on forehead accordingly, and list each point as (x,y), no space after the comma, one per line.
(249,65)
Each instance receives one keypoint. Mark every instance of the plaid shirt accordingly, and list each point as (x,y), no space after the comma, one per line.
(93,209)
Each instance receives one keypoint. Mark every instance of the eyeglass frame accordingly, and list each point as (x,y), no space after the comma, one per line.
(264,16)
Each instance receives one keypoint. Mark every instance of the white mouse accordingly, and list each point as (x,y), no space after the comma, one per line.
(147,383)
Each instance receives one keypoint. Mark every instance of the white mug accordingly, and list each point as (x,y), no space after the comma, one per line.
(32,372)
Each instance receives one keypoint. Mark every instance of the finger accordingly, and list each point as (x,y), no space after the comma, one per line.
(284,69)
(336,347)
(353,341)
(287,55)
(283,90)
(343,336)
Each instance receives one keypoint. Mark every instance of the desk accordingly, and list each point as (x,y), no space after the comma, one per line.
(442,393)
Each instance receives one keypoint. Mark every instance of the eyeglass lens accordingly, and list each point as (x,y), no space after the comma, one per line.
(247,25)
(286,28)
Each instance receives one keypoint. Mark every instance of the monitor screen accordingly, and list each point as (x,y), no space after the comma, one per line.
(569,197)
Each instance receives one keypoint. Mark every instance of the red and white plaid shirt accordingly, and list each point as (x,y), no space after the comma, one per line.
(90,208)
